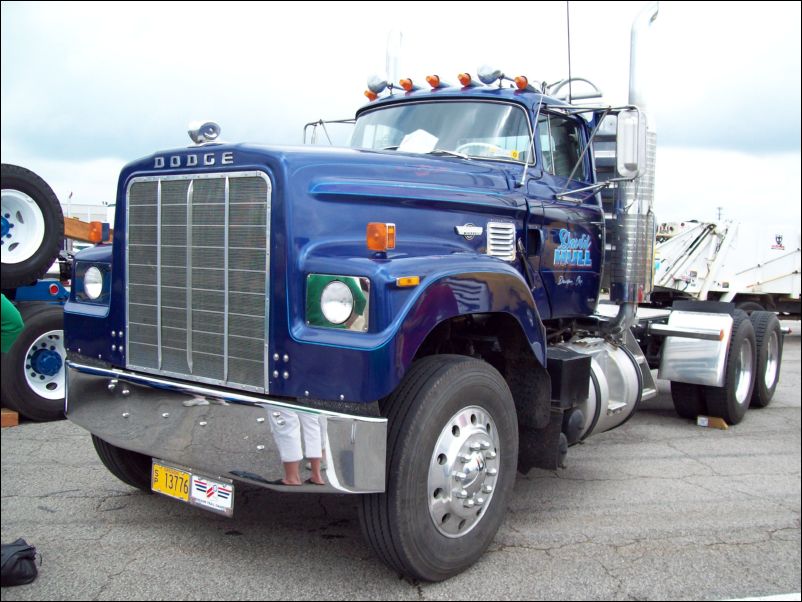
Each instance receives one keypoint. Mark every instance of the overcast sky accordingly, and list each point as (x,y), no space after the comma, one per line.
(89,87)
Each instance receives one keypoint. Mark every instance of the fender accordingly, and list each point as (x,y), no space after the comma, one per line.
(475,292)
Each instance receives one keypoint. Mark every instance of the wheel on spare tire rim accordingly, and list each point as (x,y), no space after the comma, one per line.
(769,341)
(452,451)
(731,401)
(32,226)
(33,370)
(689,399)
(130,467)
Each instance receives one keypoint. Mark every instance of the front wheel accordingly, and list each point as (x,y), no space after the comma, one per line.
(451,463)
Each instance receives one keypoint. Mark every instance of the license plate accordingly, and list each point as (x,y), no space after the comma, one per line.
(170,481)
(193,488)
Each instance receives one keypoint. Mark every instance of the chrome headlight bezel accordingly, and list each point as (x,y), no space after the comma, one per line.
(92,282)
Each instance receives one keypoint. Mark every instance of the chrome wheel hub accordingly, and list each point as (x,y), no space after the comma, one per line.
(772,360)
(463,471)
(744,372)
(44,365)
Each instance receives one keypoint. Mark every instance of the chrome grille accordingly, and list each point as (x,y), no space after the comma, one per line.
(198,267)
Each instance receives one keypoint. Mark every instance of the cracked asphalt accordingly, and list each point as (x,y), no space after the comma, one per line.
(658,509)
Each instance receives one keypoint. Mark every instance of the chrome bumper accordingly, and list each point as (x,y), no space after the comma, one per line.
(222,433)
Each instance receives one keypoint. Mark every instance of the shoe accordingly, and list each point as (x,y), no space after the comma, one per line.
(311,482)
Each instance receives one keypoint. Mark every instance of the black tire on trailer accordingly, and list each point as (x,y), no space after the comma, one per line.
(33,370)
(689,399)
(32,226)
(769,341)
(750,306)
(731,401)
(452,453)
(130,467)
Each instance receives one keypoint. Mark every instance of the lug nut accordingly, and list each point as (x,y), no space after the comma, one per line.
(480,501)
(469,504)
(126,392)
(485,444)
(475,447)
(487,489)
(461,494)
(491,455)
(460,476)
(492,472)
(464,458)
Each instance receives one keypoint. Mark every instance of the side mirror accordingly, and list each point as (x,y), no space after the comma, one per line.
(630,142)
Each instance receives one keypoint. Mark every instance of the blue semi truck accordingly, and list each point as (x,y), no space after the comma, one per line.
(419,316)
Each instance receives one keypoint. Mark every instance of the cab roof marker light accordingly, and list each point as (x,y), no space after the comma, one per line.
(407,84)
(435,82)
(467,81)
(371,95)
(522,84)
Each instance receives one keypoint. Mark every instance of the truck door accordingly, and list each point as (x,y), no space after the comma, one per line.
(569,228)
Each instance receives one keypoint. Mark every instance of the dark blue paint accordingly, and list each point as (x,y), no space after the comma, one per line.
(322,200)
(41,292)
(46,361)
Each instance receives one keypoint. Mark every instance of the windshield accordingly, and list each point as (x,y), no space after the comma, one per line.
(476,129)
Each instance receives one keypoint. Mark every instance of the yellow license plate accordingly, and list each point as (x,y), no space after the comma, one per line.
(170,481)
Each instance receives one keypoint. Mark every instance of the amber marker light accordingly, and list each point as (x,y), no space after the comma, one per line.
(407,84)
(521,82)
(433,80)
(407,281)
(465,79)
(380,236)
(95,232)
(371,95)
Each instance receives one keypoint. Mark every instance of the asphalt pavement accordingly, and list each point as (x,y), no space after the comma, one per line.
(659,509)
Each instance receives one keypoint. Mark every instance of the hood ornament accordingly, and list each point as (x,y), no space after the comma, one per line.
(202,132)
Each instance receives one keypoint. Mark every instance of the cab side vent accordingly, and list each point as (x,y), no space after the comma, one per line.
(501,240)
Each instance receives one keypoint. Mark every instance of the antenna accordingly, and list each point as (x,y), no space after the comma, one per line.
(568,23)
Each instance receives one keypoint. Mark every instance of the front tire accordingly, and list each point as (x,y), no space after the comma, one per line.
(130,467)
(451,462)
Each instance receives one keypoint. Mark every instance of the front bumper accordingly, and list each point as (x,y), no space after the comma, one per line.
(222,433)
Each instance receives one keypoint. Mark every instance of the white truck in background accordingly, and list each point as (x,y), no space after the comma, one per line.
(754,266)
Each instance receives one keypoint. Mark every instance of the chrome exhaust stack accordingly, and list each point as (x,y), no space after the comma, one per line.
(631,269)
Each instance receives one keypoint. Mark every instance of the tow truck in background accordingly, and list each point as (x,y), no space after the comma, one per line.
(755,266)
(36,272)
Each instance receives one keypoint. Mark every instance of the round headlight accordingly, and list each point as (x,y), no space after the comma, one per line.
(336,302)
(93,283)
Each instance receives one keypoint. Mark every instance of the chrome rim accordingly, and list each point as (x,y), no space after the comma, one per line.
(463,471)
(744,372)
(44,365)
(772,360)
(23,226)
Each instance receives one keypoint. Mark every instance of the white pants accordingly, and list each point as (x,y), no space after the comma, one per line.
(289,428)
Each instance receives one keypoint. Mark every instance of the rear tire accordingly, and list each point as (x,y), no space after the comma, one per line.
(33,226)
(731,401)
(769,341)
(452,451)
(689,399)
(33,370)
(130,467)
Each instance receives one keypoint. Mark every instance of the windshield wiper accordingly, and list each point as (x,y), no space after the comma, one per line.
(442,151)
